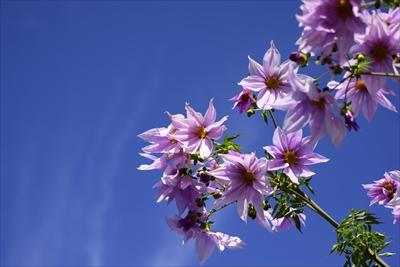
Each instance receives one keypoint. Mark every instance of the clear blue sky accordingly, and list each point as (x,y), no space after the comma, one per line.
(79,81)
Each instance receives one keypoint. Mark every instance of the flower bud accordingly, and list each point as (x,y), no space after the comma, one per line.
(300,58)
(250,112)
(251,212)
(349,119)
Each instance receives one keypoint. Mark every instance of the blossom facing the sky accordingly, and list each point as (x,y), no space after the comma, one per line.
(364,94)
(196,131)
(314,108)
(379,43)
(270,80)
(247,184)
(203,176)
(292,153)
(329,26)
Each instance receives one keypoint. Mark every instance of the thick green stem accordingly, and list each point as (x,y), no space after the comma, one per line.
(314,206)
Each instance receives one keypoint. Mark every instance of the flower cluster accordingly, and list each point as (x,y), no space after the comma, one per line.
(386,191)
(357,45)
(199,172)
(186,148)
(361,49)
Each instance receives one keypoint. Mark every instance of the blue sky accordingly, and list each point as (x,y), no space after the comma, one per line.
(81,79)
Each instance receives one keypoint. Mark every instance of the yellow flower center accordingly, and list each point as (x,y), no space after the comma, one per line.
(290,157)
(361,85)
(344,9)
(248,177)
(273,82)
(379,52)
(201,132)
(388,186)
(320,103)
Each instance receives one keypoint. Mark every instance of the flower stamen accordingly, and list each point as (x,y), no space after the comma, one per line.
(290,157)
(389,186)
(273,82)
(361,85)
(320,103)
(379,52)
(248,177)
(201,132)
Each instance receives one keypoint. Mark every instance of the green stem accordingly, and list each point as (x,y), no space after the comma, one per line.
(273,118)
(369,4)
(384,74)
(314,206)
(211,212)
(222,187)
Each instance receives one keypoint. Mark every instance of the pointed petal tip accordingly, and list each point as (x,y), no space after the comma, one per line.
(272,44)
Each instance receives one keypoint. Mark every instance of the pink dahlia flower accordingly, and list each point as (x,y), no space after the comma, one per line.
(329,26)
(384,190)
(292,154)
(270,80)
(379,43)
(313,107)
(196,131)
(364,94)
(247,184)
(244,100)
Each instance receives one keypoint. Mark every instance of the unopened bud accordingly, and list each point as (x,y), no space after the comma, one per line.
(300,58)
(200,202)
(251,212)
(360,58)
(216,195)
(266,205)
(250,112)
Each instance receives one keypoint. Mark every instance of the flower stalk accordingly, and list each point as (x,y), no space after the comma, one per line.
(315,207)
(383,74)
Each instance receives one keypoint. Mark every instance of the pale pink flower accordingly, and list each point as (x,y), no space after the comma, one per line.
(247,184)
(196,132)
(270,80)
(292,153)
